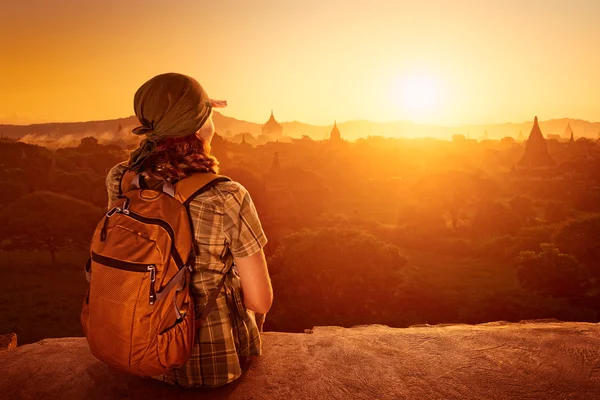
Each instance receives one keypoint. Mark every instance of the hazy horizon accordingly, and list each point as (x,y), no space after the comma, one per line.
(4,119)
(444,63)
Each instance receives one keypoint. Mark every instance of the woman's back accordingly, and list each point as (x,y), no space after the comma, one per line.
(225,225)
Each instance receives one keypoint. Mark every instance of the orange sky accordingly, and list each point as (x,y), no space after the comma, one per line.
(442,62)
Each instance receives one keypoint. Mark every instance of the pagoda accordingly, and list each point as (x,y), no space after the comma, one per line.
(568,131)
(536,150)
(272,127)
(244,142)
(335,135)
(275,165)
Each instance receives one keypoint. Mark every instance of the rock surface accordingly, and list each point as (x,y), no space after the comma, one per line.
(533,360)
(8,342)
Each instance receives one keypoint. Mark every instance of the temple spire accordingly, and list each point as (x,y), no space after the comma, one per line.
(536,149)
(275,166)
(568,131)
(335,134)
(272,127)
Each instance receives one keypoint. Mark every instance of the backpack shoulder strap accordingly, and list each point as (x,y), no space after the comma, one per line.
(126,183)
(189,187)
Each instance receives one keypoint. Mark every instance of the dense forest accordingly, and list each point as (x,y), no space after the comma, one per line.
(375,231)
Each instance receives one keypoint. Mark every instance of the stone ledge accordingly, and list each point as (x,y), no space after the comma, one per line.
(533,360)
(8,342)
(494,323)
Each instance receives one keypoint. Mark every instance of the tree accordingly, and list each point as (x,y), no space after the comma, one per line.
(555,211)
(26,164)
(523,206)
(579,237)
(495,218)
(333,276)
(88,144)
(251,181)
(551,273)
(13,185)
(48,221)
(453,191)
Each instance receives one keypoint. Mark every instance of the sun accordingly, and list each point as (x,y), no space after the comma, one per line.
(417,96)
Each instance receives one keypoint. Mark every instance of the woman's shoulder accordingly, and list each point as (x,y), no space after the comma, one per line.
(225,194)
(232,187)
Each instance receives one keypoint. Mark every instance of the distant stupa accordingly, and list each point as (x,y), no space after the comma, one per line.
(572,139)
(335,135)
(521,137)
(568,131)
(536,150)
(275,166)
(272,127)
(486,136)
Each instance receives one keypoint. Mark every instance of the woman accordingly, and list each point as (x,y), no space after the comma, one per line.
(176,117)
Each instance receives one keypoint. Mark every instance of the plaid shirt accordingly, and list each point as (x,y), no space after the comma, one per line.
(225,224)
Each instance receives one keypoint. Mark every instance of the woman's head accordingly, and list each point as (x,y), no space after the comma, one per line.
(172,106)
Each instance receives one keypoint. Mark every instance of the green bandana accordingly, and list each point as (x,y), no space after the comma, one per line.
(168,105)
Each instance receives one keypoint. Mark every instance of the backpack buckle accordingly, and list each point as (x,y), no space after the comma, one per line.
(113,211)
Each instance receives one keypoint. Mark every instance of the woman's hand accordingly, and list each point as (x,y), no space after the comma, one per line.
(256,284)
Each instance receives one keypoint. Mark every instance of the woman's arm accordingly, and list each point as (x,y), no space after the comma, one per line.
(246,240)
(256,284)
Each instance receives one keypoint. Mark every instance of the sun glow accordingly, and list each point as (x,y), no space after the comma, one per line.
(417,96)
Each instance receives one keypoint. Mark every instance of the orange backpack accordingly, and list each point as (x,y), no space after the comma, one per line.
(138,314)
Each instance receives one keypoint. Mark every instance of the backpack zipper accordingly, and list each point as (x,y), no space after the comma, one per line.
(129,266)
(152,269)
(153,221)
(167,227)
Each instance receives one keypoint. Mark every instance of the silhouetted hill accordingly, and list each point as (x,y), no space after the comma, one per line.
(352,130)
(227,126)
(59,129)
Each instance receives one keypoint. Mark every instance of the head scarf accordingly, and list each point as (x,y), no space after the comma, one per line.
(169,105)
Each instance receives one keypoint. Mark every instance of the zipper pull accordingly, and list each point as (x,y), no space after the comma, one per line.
(152,270)
(126,206)
(113,211)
